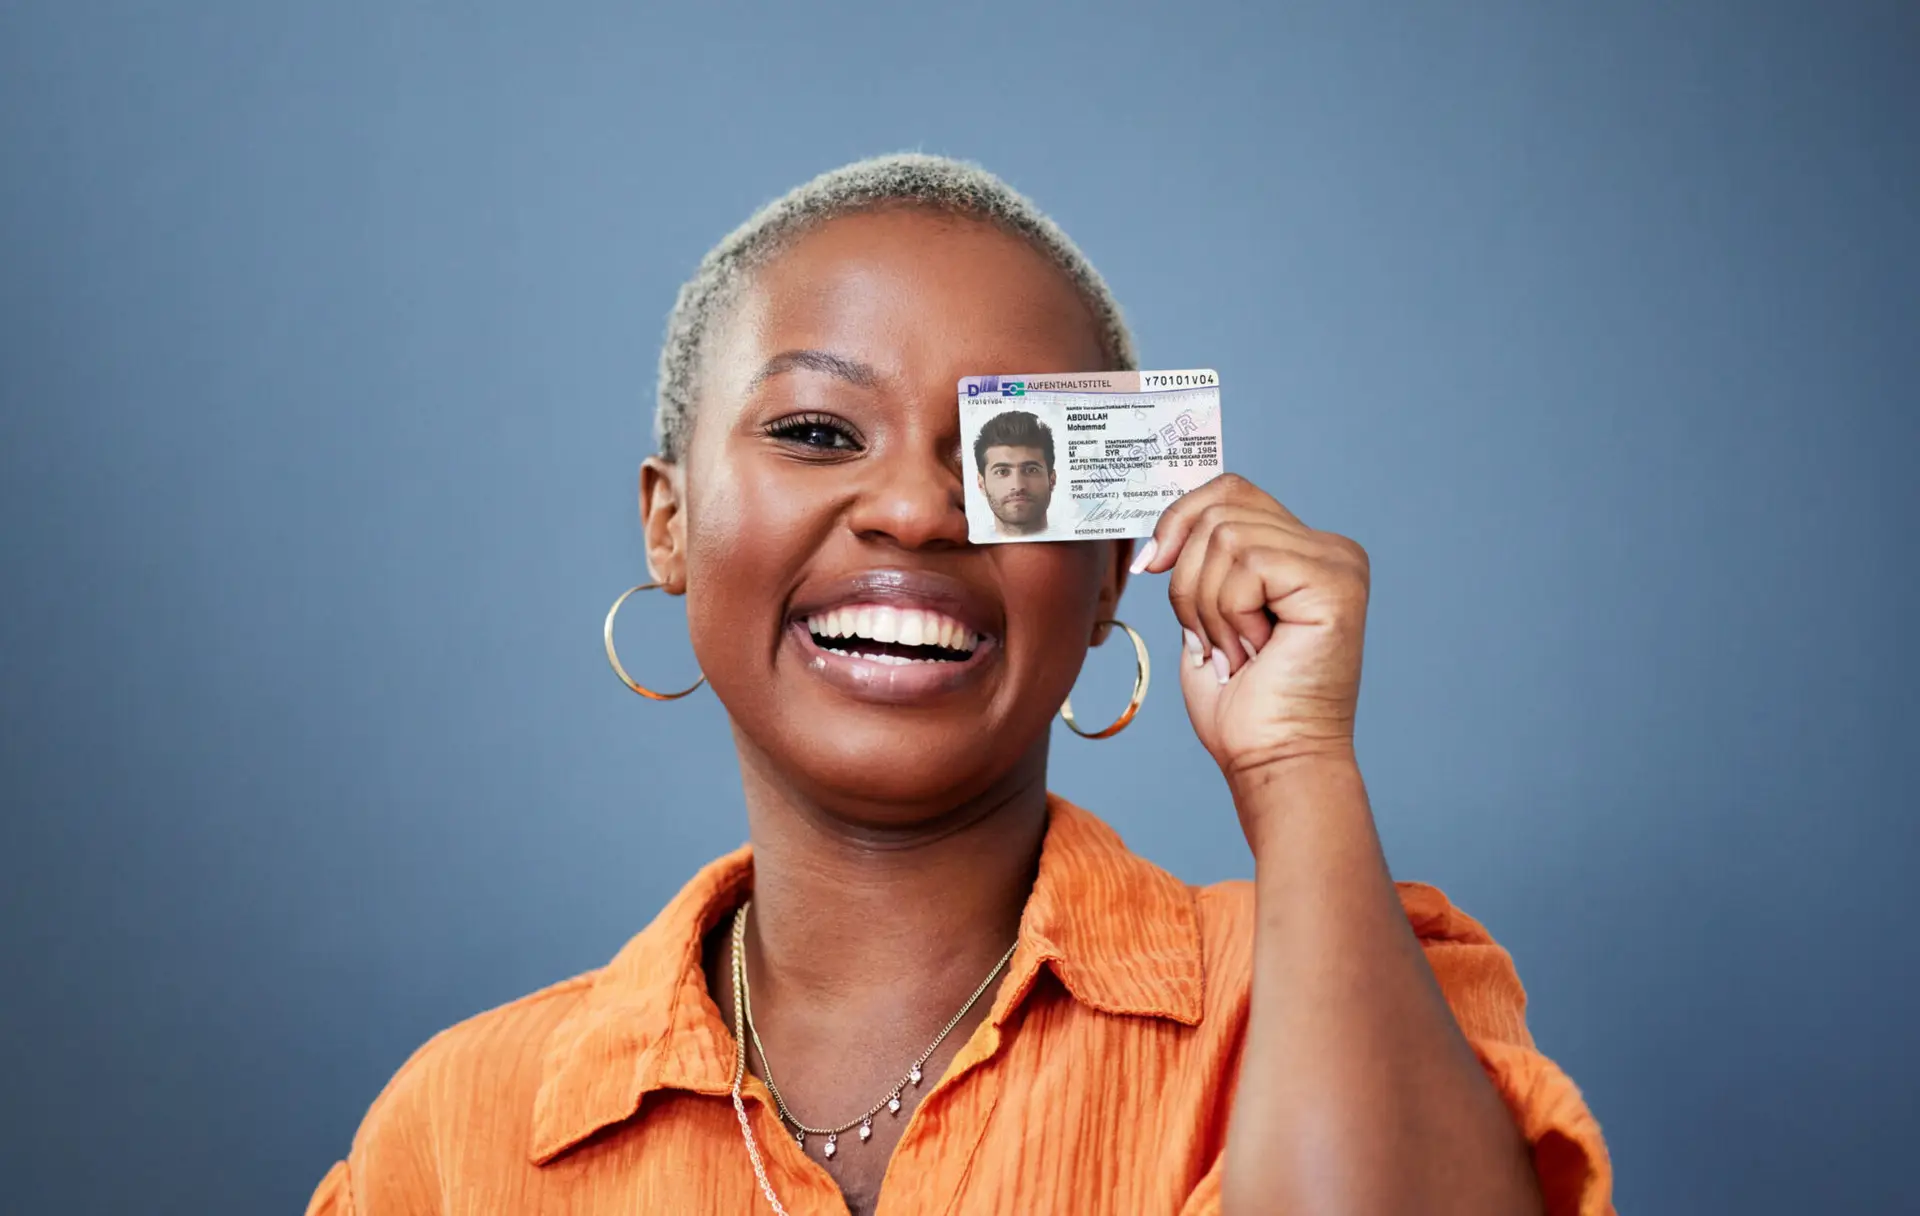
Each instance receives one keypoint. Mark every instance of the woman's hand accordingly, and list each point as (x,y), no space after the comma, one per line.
(1275,617)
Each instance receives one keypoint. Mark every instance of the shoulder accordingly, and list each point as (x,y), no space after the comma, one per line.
(478,1077)
(466,1104)
(485,1049)
(1476,975)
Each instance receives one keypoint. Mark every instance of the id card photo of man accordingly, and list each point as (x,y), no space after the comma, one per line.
(1013,458)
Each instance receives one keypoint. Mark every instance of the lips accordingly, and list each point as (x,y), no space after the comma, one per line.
(895,635)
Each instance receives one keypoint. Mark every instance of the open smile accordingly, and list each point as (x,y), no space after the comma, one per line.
(895,636)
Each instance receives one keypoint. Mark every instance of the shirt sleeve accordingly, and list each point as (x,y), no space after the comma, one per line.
(1480,984)
(1205,1198)
(392,1168)
(334,1195)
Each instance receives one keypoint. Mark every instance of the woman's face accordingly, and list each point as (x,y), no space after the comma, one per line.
(865,650)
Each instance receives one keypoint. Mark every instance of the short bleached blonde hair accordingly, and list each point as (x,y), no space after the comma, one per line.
(914,179)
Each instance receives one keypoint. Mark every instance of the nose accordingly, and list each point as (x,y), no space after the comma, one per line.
(912,497)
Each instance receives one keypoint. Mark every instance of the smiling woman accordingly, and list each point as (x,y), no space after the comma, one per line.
(973,982)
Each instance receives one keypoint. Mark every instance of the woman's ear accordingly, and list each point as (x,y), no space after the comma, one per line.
(663,520)
(1112,582)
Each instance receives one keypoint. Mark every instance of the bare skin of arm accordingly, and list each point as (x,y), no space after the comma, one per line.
(1358,1093)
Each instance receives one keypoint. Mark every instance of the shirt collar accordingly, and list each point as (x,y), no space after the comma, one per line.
(1121,934)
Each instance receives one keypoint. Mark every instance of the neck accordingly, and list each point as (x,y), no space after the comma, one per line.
(843,908)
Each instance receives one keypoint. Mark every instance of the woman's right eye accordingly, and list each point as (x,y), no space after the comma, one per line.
(819,431)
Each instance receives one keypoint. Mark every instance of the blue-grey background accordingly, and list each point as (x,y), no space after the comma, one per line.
(327,339)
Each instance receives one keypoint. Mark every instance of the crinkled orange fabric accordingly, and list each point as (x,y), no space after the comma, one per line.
(1100,1082)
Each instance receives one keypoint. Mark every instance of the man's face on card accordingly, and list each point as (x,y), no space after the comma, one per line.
(1019,486)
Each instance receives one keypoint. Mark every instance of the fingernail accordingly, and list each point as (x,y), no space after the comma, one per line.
(1195,650)
(1247,646)
(1220,665)
(1145,556)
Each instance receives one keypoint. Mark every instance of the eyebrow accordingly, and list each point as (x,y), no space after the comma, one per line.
(851,370)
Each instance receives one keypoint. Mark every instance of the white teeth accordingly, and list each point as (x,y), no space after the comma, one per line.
(888,625)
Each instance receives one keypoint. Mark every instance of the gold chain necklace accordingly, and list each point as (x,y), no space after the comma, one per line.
(743,994)
(740,1056)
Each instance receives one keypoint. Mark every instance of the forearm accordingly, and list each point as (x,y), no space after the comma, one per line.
(1358,1093)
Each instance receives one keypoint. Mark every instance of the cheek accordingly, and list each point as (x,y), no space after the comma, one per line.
(1051,590)
(718,528)
(746,538)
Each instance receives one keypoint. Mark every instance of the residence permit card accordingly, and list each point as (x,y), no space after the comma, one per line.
(1084,455)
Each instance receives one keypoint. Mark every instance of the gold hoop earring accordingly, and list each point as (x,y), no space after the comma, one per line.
(1142,673)
(614,658)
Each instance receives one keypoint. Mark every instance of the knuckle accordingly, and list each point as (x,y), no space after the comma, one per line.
(1356,589)
(1246,493)
(1344,549)
(1253,555)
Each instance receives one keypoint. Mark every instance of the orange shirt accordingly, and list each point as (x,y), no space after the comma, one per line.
(1100,1082)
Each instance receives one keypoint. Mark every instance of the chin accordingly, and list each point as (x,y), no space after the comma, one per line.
(904,771)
